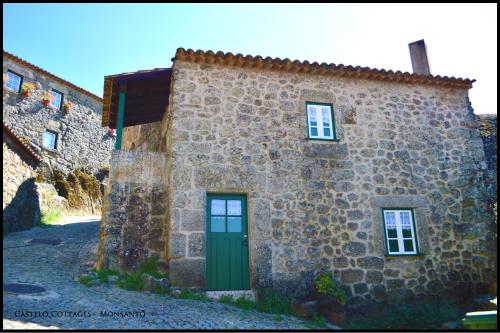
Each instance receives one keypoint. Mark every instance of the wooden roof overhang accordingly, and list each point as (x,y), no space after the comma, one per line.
(146,96)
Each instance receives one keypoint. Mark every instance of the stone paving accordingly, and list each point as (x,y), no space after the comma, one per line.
(67,304)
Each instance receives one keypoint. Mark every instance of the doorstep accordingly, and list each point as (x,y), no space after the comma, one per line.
(216,294)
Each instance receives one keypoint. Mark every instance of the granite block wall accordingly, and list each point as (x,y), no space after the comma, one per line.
(316,205)
(81,141)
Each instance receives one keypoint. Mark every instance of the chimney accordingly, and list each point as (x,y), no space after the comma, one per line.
(418,55)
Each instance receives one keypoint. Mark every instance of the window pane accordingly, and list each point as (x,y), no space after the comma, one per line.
(49,140)
(233,207)
(313,120)
(56,102)
(390,220)
(393,245)
(326,131)
(14,81)
(218,207)
(234,224)
(325,113)
(314,131)
(406,233)
(405,220)
(392,233)
(408,245)
(217,224)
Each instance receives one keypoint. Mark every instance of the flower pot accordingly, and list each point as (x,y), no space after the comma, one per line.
(303,308)
(26,93)
(46,102)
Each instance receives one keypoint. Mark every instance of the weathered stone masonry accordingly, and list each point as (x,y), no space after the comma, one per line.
(317,205)
(132,227)
(20,197)
(81,141)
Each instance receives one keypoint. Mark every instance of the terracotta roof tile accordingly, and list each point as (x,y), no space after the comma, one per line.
(296,66)
(24,146)
(44,72)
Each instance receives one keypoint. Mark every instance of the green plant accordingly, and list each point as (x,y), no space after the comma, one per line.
(273,302)
(318,320)
(186,294)
(49,217)
(103,274)
(495,211)
(132,281)
(38,178)
(27,87)
(135,281)
(325,285)
(420,316)
(86,280)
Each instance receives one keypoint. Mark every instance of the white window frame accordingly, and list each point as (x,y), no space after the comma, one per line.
(55,139)
(52,91)
(9,73)
(319,120)
(399,232)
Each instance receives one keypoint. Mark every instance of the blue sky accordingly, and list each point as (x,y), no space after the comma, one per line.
(84,42)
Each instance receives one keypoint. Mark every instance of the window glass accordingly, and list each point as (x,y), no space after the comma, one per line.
(218,224)
(320,121)
(56,102)
(218,207)
(234,224)
(14,81)
(233,207)
(400,234)
(49,140)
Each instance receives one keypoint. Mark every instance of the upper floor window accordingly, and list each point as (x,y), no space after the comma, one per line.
(50,139)
(57,100)
(400,234)
(14,81)
(320,121)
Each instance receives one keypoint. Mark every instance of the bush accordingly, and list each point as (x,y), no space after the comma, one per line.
(325,285)
(423,316)
(63,188)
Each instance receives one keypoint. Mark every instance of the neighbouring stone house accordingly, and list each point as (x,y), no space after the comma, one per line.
(20,197)
(66,139)
(245,172)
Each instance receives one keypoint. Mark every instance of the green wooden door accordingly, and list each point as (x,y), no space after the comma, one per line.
(227,242)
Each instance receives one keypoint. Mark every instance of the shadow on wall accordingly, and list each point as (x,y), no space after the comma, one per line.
(24,209)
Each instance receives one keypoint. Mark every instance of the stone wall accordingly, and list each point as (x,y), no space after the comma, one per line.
(81,142)
(316,205)
(133,213)
(141,137)
(20,198)
(488,129)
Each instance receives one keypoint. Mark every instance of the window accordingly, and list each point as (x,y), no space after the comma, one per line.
(225,210)
(57,101)
(320,121)
(49,139)
(14,82)
(400,234)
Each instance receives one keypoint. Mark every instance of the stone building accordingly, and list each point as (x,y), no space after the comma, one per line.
(246,172)
(20,198)
(66,138)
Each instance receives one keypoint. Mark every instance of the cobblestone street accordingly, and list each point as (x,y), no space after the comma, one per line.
(67,304)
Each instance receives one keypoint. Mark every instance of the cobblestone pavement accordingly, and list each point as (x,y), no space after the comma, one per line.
(66,304)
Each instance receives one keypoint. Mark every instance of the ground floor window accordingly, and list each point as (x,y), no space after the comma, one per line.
(50,139)
(400,233)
